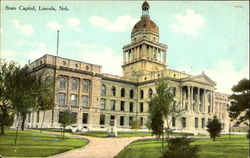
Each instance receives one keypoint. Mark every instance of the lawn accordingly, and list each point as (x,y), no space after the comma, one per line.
(35,144)
(237,147)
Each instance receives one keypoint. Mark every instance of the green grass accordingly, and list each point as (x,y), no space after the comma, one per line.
(35,144)
(237,147)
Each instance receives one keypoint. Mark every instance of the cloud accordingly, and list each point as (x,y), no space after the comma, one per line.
(1,29)
(122,23)
(189,24)
(25,29)
(73,23)
(54,25)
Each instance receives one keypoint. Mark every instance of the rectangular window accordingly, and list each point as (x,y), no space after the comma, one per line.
(141,107)
(121,120)
(130,120)
(112,120)
(122,105)
(141,121)
(196,120)
(63,82)
(112,102)
(173,121)
(102,104)
(73,100)
(183,122)
(85,118)
(60,116)
(131,107)
(74,117)
(62,97)
(74,84)
(85,101)
(37,116)
(85,86)
(203,122)
(102,119)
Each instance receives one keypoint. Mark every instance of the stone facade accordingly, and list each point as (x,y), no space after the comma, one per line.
(95,97)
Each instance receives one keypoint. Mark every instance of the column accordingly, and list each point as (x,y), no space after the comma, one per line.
(124,57)
(211,101)
(143,51)
(205,102)
(191,97)
(188,97)
(164,56)
(198,99)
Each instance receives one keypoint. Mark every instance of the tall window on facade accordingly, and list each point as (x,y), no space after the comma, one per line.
(174,105)
(173,121)
(130,121)
(102,104)
(150,93)
(61,97)
(102,119)
(196,122)
(73,100)
(141,107)
(122,105)
(63,83)
(74,117)
(122,92)
(121,120)
(131,93)
(203,122)
(208,108)
(74,84)
(131,107)
(60,116)
(112,102)
(85,86)
(141,94)
(141,121)
(183,122)
(85,101)
(85,117)
(113,91)
(103,90)
(37,116)
(174,91)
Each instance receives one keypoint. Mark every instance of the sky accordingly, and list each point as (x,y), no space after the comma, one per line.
(209,36)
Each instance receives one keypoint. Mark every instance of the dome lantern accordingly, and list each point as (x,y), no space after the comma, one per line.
(145,8)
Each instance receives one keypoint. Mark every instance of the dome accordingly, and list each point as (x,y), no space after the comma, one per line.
(145,24)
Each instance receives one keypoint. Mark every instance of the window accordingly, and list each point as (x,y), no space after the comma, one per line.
(141,121)
(63,83)
(85,118)
(150,93)
(74,84)
(73,100)
(131,93)
(183,122)
(60,116)
(196,122)
(85,101)
(103,90)
(112,105)
(131,107)
(174,106)
(62,97)
(174,91)
(37,116)
(208,109)
(122,105)
(121,120)
(102,119)
(85,86)
(173,121)
(113,91)
(203,122)
(74,117)
(102,104)
(130,121)
(122,92)
(141,107)
(141,94)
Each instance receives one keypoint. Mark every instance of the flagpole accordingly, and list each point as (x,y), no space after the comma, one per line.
(57,46)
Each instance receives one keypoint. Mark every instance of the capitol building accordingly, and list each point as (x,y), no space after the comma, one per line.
(95,98)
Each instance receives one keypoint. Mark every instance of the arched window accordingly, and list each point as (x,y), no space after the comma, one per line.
(150,93)
(63,83)
(103,90)
(142,94)
(131,93)
(113,91)
(74,84)
(122,92)
(85,86)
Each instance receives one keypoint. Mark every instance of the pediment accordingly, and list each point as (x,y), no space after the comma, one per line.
(202,79)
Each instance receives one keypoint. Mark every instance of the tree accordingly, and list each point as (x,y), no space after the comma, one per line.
(240,101)
(148,124)
(135,124)
(214,127)
(180,148)
(6,110)
(162,106)
(65,119)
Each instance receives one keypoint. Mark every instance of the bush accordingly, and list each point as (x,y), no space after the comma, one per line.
(181,148)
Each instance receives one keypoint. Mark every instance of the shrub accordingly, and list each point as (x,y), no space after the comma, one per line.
(181,148)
